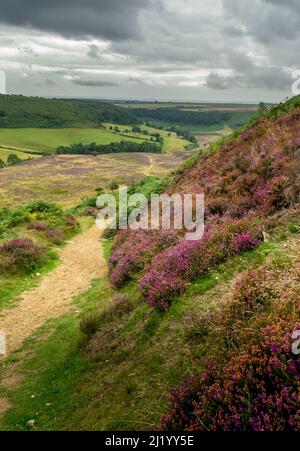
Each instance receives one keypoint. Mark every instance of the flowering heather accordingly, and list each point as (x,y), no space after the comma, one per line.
(182,263)
(248,179)
(245,241)
(258,390)
(54,235)
(40,226)
(128,258)
(161,288)
(21,256)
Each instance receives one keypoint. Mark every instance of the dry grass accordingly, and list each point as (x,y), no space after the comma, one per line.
(67,179)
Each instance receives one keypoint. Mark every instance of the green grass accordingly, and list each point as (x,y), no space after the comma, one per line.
(4,153)
(172,142)
(48,139)
(12,287)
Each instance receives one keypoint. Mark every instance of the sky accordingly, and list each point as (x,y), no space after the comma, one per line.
(189,50)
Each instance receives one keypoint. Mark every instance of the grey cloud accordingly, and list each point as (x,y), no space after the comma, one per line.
(94,83)
(111,19)
(94,51)
(272,78)
(265,20)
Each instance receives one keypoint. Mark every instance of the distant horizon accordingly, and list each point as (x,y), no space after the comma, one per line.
(152,100)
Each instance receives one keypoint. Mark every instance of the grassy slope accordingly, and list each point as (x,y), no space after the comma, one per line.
(21,111)
(47,140)
(172,143)
(4,153)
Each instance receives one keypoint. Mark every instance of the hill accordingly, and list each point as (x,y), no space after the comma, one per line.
(193,118)
(20,111)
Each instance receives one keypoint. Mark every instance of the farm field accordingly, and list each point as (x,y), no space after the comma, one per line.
(172,142)
(48,139)
(67,179)
(4,153)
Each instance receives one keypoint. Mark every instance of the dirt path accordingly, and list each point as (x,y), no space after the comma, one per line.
(81,260)
(149,169)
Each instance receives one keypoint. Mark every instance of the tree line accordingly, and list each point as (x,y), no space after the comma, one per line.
(118,147)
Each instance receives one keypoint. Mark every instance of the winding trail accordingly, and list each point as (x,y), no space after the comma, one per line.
(81,260)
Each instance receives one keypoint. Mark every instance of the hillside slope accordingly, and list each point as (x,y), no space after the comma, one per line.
(20,111)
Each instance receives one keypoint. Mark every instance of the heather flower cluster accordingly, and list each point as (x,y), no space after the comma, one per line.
(176,266)
(55,235)
(21,256)
(258,390)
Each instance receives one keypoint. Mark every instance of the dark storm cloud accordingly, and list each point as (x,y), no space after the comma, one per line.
(94,83)
(110,19)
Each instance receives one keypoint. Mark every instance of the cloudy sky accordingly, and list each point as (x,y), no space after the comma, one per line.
(216,50)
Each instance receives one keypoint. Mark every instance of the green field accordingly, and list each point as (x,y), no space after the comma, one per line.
(4,153)
(172,142)
(48,139)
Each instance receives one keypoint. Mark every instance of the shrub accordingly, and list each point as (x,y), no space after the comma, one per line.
(21,256)
(257,390)
(13,217)
(161,289)
(54,235)
(43,207)
(39,226)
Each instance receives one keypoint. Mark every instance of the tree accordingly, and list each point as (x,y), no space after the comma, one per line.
(13,159)
(2,164)
(136,129)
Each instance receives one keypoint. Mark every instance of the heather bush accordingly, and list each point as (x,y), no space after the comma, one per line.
(39,226)
(173,268)
(129,257)
(54,235)
(257,390)
(161,288)
(21,256)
